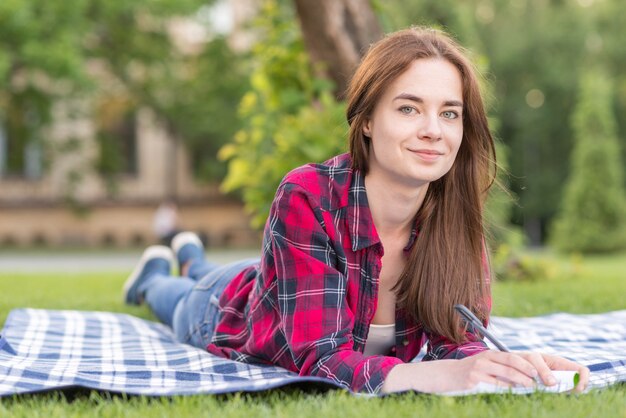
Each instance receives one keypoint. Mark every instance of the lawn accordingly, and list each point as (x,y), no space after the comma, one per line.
(593,284)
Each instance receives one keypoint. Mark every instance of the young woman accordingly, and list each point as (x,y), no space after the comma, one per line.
(365,255)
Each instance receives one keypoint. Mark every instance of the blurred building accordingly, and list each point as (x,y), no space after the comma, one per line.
(60,194)
(70,203)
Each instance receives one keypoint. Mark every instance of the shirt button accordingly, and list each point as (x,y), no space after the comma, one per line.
(405,342)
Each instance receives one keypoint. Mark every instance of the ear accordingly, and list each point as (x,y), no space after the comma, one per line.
(367,128)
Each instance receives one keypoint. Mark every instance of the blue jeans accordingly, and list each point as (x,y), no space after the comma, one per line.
(189,305)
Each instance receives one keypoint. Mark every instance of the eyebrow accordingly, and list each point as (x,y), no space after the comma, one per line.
(408,96)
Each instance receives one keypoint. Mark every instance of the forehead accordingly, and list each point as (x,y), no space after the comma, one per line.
(434,78)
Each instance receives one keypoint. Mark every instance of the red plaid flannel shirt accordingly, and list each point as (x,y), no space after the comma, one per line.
(307,307)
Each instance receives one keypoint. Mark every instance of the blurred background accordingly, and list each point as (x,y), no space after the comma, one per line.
(122,122)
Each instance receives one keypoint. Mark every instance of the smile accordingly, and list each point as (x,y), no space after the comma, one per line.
(427,155)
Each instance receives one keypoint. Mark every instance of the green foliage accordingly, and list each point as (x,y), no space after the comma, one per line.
(40,44)
(499,205)
(289,117)
(510,263)
(593,213)
(193,93)
(204,115)
(506,241)
(534,73)
(101,51)
(41,37)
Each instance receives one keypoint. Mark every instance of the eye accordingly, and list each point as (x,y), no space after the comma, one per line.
(450,114)
(407,110)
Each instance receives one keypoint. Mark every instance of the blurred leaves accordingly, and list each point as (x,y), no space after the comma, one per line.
(111,50)
(289,116)
(44,36)
(511,264)
(592,217)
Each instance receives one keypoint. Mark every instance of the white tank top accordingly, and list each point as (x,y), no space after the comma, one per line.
(380,339)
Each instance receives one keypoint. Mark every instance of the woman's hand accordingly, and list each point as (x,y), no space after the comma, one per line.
(492,367)
(545,363)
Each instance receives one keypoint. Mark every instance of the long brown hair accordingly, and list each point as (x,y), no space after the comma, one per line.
(445,265)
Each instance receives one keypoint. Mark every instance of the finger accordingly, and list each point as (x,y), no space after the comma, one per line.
(543,369)
(506,373)
(516,361)
(560,363)
(583,374)
(484,376)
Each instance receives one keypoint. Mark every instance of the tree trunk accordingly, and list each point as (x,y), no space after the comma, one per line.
(337,33)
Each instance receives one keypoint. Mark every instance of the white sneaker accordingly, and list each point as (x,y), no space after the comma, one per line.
(155,259)
(187,246)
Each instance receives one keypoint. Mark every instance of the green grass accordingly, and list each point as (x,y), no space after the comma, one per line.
(57,290)
(589,285)
(608,403)
(585,286)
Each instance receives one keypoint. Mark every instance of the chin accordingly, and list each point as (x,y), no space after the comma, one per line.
(428,177)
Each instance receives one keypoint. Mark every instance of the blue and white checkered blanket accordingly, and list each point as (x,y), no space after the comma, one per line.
(42,350)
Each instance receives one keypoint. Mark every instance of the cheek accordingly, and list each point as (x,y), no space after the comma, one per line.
(454,147)
(455,138)
(457,145)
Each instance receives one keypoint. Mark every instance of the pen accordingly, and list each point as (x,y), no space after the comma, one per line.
(472,320)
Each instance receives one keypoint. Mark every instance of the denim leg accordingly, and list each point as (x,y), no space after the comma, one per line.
(200,268)
(162,293)
(197,312)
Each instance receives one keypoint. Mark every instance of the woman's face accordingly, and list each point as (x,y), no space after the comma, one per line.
(417,125)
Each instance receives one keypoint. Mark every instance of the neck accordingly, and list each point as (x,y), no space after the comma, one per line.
(393,206)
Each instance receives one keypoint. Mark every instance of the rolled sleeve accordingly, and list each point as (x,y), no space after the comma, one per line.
(440,348)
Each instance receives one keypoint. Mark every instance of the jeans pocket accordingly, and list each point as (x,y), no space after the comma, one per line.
(200,336)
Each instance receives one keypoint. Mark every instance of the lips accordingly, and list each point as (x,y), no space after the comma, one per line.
(427,154)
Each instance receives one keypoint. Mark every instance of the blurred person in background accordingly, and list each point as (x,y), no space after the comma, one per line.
(165,222)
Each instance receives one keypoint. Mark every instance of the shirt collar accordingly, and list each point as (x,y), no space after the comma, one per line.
(361,225)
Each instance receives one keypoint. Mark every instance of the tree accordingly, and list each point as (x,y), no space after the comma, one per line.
(336,34)
(289,116)
(40,45)
(192,88)
(593,210)
(48,53)
(608,42)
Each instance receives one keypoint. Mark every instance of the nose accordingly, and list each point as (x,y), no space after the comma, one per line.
(430,128)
